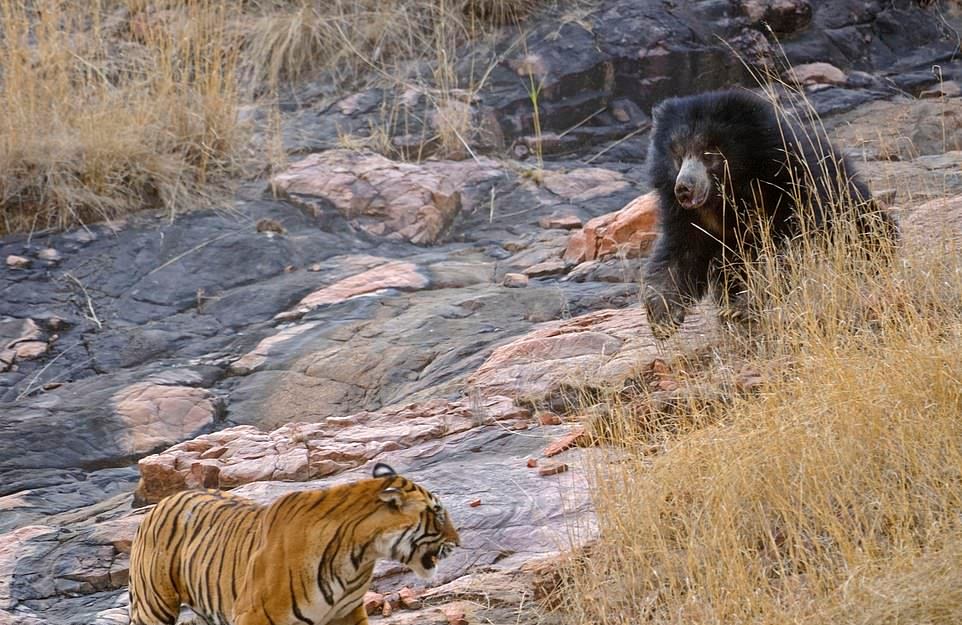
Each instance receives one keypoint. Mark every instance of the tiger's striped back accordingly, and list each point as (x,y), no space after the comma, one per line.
(306,558)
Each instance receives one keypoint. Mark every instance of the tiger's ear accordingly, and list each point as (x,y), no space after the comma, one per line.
(392,496)
(383,470)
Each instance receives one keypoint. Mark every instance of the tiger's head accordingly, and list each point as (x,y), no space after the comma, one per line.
(420,530)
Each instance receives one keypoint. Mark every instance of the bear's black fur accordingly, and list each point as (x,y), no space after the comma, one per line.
(722,164)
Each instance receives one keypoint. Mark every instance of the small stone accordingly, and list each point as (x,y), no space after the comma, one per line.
(49,386)
(27,350)
(391,602)
(49,254)
(885,197)
(532,463)
(455,615)
(474,503)
(546,417)
(560,222)
(290,269)
(552,469)
(17,262)
(408,599)
(314,267)
(270,225)
(373,602)
(515,280)
(619,113)
(516,245)
(56,323)
(668,384)
(565,442)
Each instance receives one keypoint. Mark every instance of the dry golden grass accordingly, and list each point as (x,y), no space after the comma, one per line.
(111,106)
(831,495)
(99,116)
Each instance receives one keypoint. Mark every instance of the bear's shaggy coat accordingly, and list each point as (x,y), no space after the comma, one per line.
(725,165)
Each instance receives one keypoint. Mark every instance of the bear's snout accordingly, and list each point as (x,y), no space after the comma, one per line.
(692,185)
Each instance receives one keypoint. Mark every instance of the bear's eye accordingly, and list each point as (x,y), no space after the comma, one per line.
(713,157)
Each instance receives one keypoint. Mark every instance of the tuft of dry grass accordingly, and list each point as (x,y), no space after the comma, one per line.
(111,106)
(100,115)
(832,494)
(354,40)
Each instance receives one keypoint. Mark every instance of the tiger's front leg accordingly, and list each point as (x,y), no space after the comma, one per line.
(358,616)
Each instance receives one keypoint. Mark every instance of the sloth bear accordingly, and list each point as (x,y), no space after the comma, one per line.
(725,165)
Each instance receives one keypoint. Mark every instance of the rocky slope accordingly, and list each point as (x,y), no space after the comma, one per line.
(438,316)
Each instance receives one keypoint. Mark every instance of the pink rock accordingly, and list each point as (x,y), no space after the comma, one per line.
(393,275)
(28,350)
(630,230)
(546,417)
(552,469)
(455,614)
(306,451)
(373,602)
(49,254)
(515,280)
(385,197)
(253,359)
(569,440)
(152,415)
(17,262)
(409,599)
(546,268)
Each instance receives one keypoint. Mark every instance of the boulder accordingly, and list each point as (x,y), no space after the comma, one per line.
(629,231)
(397,200)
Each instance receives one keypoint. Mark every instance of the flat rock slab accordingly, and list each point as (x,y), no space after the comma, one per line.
(308,451)
(935,225)
(598,350)
(912,128)
(395,348)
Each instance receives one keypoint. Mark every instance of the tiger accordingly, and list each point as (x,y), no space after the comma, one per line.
(308,557)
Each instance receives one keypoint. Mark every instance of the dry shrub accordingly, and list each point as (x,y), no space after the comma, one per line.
(100,116)
(110,106)
(833,494)
(359,39)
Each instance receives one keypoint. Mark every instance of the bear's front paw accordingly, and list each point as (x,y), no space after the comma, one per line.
(665,313)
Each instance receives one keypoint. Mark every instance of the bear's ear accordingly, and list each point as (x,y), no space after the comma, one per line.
(659,110)
(383,470)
